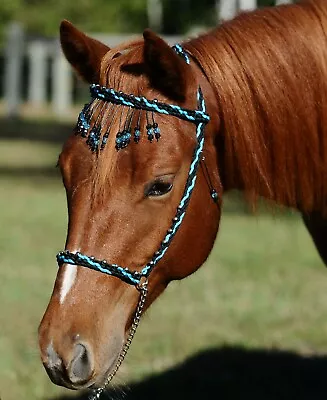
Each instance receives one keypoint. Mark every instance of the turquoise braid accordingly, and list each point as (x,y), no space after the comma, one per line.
(200,118)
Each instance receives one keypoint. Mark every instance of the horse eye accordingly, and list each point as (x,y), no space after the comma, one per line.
(158,188)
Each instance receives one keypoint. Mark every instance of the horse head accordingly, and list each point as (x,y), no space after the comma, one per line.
(127,167)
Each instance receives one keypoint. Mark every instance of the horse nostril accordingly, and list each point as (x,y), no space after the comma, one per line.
(53,360)
(80,368)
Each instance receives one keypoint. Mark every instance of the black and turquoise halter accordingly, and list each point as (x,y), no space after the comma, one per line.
(96,136)
(199,117)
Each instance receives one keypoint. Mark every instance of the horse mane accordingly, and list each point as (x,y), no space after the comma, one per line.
(268,70)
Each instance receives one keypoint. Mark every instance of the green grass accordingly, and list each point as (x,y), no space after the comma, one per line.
(263,286)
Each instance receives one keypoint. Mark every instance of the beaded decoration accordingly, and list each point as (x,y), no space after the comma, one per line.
(124,135)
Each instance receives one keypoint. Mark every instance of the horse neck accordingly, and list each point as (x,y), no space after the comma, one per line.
(269,75)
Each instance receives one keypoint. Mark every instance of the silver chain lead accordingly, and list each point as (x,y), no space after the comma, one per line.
(143,289)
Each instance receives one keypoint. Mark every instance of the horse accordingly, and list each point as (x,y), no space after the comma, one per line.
(167,132)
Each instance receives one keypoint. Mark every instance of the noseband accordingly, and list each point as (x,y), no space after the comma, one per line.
(199,118)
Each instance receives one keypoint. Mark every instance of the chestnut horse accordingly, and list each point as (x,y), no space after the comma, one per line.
(263,77)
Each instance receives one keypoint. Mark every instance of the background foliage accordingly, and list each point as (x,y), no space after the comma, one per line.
(41,17)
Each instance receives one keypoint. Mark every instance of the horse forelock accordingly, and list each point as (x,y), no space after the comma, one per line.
(112,76)
(116,74)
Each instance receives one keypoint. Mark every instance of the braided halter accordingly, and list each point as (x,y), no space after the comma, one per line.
(139,279)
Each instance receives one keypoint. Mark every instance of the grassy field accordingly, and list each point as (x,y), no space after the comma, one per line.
(262,289)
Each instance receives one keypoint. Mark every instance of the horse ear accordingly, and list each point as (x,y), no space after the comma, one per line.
(167,71)
(82,52)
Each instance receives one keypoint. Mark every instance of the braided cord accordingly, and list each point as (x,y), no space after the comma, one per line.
(188,190)
(181,52)
(142,103)
(67,257)
(134,277)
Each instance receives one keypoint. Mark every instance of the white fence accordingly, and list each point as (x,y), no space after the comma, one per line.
(40,53)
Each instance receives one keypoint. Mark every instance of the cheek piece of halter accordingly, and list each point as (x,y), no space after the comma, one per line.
(200,118)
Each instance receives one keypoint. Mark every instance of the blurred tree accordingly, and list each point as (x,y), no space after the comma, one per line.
(181,15)
(8,9)
(42,17)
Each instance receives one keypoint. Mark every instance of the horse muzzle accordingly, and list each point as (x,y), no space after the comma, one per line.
(76,372)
